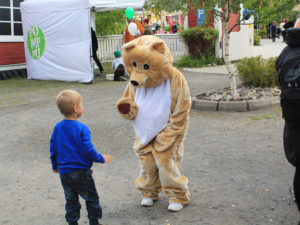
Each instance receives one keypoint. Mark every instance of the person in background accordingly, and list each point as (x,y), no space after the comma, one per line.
(72,156)
(147,27)
(273,30)
(118,66)
(288,69)
(268,30)
(171,25)
(174,28)
(94,49)
(283,22)
(288,25)
(297,23)
(128,37)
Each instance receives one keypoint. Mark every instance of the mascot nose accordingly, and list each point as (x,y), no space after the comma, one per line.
(134,83)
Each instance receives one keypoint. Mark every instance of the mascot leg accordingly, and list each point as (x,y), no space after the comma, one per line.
(148,181)
(169,165)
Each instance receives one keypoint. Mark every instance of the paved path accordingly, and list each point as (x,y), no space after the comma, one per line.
(268,48)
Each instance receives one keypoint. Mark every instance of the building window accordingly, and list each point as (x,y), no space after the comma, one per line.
(10,20)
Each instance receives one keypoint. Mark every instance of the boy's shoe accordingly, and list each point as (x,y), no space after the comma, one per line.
(94,222)
(102,72)
(73,223)
(147,202)
(175,207)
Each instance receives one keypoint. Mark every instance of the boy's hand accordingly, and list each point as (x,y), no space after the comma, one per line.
(55,171)
(108,158)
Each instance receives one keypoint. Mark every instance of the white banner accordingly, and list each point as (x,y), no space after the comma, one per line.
(57,40)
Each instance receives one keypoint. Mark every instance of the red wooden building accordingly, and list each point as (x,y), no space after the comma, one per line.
(12,54)
(195,15)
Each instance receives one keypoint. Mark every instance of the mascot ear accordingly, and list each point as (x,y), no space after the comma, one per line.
(129,46)
(159,46)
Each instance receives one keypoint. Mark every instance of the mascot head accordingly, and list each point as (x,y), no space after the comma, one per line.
(148,61)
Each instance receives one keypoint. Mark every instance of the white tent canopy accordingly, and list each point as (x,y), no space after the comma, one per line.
(58,37)
(108,5)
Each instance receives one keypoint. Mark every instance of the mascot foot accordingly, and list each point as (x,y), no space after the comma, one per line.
(175,207)
(147,202)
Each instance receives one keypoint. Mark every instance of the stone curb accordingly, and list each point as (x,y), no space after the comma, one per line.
(241,106)
(233,106)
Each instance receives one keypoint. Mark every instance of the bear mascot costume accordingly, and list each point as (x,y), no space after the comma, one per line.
(157,99)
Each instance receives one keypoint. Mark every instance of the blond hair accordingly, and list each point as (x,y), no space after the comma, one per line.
(66,100)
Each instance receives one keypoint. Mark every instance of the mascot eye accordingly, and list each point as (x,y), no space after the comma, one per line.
(133,63)
(146,67)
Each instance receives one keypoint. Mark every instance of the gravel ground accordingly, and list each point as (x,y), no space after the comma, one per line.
(235,163)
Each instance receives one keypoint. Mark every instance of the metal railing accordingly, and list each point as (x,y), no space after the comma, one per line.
(109,44)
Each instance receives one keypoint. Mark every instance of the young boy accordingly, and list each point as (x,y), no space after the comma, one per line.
(118,66)
(72,156)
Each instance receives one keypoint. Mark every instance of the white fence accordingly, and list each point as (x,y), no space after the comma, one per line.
(109,44)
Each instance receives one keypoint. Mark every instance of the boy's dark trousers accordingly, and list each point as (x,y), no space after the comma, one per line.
(81,183)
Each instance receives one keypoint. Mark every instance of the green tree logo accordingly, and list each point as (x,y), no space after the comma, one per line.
(36,42)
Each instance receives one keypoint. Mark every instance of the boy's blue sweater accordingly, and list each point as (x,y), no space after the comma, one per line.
(71,147)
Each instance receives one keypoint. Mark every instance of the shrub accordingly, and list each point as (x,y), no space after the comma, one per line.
(201,40)
(256,39)
(257,72)
(167,28)
(189,61)
(261,32)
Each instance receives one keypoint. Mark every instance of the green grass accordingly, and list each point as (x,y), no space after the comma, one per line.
(255,118)
(268,117)
(19,90)
(262,117)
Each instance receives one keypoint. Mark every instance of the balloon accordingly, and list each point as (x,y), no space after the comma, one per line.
(129,12)
(132,28)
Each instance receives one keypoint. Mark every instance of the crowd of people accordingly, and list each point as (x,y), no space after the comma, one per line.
(274,30)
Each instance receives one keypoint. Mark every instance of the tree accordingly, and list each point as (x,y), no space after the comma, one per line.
(219,8)
(271,10)
(110,22)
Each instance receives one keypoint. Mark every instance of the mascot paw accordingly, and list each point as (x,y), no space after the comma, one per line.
(124,108)
(127,108)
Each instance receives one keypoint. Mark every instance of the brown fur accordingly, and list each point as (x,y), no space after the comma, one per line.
(160,160)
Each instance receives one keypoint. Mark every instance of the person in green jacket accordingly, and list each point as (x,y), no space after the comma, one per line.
(147,27)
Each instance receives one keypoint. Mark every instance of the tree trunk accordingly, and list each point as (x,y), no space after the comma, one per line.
(227,61)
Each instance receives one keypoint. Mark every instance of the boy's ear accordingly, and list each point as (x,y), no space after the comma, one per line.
(75,108)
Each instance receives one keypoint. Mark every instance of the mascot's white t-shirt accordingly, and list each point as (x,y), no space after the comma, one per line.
(154,111)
